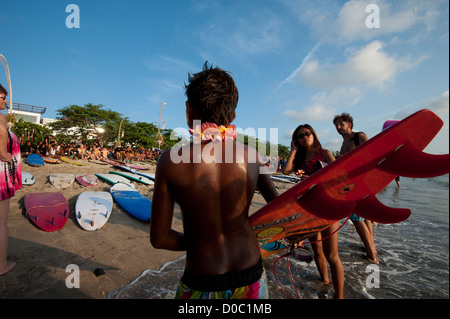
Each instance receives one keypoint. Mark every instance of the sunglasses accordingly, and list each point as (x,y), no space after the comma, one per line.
(3,98)
(301,135)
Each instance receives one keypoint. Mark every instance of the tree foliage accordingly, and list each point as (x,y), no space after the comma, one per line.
(77,121)
(80,121)
(30,131)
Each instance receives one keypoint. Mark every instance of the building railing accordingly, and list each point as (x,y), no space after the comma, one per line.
(27,108)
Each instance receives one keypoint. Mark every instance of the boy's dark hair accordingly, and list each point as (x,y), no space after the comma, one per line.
(213,93)
(3,90)
(344,117)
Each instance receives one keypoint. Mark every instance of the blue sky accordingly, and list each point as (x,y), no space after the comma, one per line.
(294,62)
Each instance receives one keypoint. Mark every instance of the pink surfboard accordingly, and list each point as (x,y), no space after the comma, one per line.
(135,166)
(48,211)
(87,179)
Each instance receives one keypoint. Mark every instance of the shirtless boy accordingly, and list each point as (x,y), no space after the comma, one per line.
(214,193)
(364,228)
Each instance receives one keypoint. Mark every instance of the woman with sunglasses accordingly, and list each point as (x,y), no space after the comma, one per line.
(307,156)
(10,180)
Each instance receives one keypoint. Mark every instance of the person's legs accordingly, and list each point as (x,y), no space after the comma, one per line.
(365,235)
(331,252)
(5,265)
(319,257)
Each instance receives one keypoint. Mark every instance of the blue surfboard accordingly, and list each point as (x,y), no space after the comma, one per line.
(35,160)
(131,201)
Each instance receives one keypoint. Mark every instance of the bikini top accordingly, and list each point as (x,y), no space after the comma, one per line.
(308,166)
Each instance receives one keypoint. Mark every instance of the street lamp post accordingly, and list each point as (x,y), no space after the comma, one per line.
(159,137)
(8,77)
(118,143)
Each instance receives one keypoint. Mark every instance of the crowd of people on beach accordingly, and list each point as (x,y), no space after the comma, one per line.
(94,150)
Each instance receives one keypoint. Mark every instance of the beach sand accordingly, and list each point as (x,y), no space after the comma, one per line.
(121,247)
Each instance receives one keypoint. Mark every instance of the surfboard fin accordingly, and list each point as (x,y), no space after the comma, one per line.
(319,203)
(372,209)
(408,161)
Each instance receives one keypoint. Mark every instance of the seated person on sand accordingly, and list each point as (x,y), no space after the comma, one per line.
(27,148)
(104,153)
(95,153)
(53,150)
(41,148)
(82,152)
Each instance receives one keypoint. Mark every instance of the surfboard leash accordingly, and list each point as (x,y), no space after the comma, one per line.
(288,253)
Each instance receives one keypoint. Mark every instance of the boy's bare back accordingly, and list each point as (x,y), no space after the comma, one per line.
(214,197)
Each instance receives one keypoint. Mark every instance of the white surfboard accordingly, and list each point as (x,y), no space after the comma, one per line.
(93,209)
(28,178)
(61,181)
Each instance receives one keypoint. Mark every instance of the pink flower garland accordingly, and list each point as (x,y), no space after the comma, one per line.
(212,132)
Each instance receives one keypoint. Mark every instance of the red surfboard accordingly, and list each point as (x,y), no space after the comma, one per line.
(349,184)
(48,211)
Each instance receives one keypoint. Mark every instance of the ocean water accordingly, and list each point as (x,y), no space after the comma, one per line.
(414,256)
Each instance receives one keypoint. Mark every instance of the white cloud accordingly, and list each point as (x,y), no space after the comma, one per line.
(298,71)
(344,84)
(347,24)
(368,67)
(323,105)
(440,105)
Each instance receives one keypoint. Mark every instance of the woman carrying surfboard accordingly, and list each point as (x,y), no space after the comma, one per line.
(213,186)
(307,155)
(10,180)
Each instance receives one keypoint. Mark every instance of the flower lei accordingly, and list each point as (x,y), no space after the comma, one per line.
(208,132)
